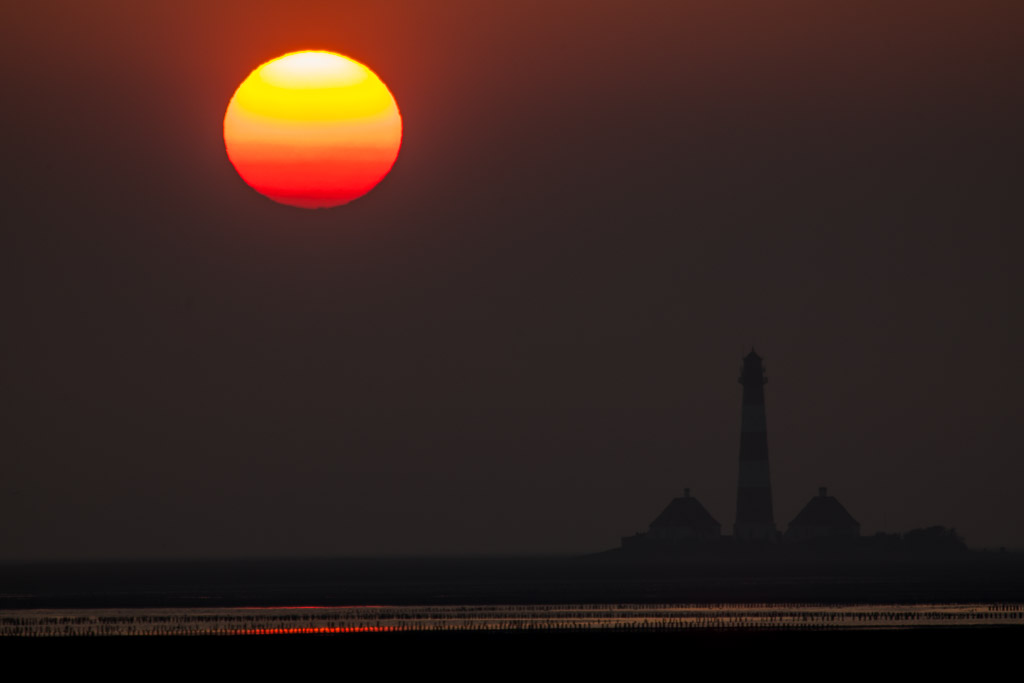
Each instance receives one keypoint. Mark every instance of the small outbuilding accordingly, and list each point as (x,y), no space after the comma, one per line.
(823,517)
(685,519)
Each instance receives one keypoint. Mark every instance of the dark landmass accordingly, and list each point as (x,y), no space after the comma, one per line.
(620,652)
(604,578)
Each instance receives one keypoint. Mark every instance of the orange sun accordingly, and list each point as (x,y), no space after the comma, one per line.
(312,129)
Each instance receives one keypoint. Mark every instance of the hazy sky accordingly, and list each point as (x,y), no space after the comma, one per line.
(527,338)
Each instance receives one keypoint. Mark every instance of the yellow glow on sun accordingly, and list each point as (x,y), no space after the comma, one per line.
(312,129)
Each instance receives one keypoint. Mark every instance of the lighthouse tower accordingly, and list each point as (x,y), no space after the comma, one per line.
(754,489)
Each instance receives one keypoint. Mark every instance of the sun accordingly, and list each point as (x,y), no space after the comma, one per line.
(312,129)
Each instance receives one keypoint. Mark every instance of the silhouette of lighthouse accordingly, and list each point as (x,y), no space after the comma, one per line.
(754,489)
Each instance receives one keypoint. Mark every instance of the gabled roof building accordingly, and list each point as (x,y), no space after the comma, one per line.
(684,520)
(823,517)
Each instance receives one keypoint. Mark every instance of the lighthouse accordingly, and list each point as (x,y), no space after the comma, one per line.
(754,518)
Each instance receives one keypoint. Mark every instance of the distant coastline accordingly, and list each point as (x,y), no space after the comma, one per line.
(975,576)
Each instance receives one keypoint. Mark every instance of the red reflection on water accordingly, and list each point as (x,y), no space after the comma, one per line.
(313,630)
(286,607)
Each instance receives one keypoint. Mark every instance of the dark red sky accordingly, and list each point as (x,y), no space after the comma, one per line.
(527,338)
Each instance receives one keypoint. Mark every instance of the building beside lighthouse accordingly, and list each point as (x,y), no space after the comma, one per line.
(823,517)
(683,521)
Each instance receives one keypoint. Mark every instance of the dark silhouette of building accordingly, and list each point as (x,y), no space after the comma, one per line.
(754,518)
(685,519)
(823,517)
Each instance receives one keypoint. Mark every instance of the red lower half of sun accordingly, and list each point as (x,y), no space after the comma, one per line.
(329,180)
